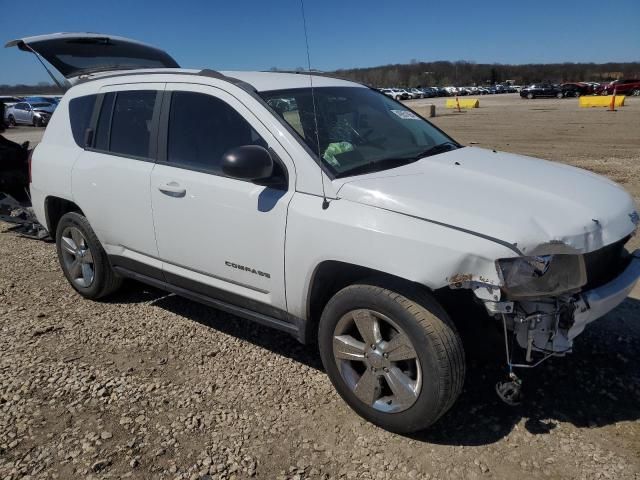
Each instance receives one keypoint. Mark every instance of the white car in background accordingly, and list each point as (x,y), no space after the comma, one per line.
(326,213)
(30,113)
(9,101)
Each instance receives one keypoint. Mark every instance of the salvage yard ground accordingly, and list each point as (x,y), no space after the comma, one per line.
(148,385)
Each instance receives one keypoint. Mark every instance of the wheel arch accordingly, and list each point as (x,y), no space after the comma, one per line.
(331,276)
(55,208)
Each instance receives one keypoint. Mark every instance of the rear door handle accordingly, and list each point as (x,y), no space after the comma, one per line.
(173,189)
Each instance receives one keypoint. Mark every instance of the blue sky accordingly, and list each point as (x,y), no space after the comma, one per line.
(257,35)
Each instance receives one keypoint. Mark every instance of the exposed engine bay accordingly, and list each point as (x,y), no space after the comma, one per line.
(546,326)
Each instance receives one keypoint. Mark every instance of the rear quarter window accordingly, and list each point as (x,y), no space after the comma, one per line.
(80,111)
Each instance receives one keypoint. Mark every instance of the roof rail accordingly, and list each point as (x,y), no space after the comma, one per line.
(204,73)
(215,74)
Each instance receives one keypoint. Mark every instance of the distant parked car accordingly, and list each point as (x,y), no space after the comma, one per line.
(541,90)
(483,91)
(415,93)
(36,114)
(575,89)
(9,102)
(396,93)
(622,87)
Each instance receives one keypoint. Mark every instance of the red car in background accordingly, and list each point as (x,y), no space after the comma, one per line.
(622,87)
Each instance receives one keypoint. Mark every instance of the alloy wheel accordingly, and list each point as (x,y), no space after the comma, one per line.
(377,361)
(77,257)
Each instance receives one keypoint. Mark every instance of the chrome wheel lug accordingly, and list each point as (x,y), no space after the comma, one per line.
(373,346)
(385,355)
(386,370)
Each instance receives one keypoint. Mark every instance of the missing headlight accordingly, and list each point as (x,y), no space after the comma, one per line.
(541,276)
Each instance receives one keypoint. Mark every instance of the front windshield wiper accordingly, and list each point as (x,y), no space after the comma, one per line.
(393,162)
(376,166)
(436,149)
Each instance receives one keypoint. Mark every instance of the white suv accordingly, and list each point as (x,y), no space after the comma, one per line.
(337,215)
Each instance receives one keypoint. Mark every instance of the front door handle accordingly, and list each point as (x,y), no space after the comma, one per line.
(173,189)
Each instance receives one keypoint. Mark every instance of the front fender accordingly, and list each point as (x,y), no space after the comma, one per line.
(407,247)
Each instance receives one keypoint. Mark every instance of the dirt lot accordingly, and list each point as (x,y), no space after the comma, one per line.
(148,385)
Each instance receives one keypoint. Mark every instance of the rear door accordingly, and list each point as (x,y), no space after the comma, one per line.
(78,54)
(111,178)
(19,112)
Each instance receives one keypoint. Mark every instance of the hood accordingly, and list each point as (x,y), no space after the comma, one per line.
(533,205)
(45,109)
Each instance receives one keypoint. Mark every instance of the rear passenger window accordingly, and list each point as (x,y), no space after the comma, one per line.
(124,124)
(80,110)
(202,128)
(131,123)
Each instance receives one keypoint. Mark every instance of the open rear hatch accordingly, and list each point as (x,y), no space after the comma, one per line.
(75,55)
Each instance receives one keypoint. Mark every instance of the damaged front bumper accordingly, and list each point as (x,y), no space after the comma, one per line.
(597,302)
(550,325)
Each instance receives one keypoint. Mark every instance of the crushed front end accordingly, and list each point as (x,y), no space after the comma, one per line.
(545,301)
(548,300)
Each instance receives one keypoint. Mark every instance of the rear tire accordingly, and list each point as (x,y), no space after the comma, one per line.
(12,121)
(636,92)
(410,368)
(530,96)
(83,260)
(559,95)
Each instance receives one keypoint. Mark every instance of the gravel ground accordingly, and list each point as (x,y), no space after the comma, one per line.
(149,385)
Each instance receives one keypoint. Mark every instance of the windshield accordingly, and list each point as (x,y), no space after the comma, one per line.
(359,130)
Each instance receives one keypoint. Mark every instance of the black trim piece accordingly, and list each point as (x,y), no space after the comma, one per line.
(225,296)
(93,122)
(155,125)
(118,261)
(113,107)
(261,318)
(163,127)
(236,81)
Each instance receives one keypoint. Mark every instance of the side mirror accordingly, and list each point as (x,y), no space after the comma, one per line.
(249,162)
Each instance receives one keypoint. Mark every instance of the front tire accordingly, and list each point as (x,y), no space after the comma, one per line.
(395,358)
(636,92)
(559,95)
(530,96)
(12,121)
(83,260)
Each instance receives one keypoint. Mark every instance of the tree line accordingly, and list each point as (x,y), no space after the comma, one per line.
(464,73)
(26,90)
(441,73)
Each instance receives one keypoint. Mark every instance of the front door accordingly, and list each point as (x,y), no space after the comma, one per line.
(217,235)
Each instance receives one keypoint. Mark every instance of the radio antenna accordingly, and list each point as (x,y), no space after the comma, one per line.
(325,201)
